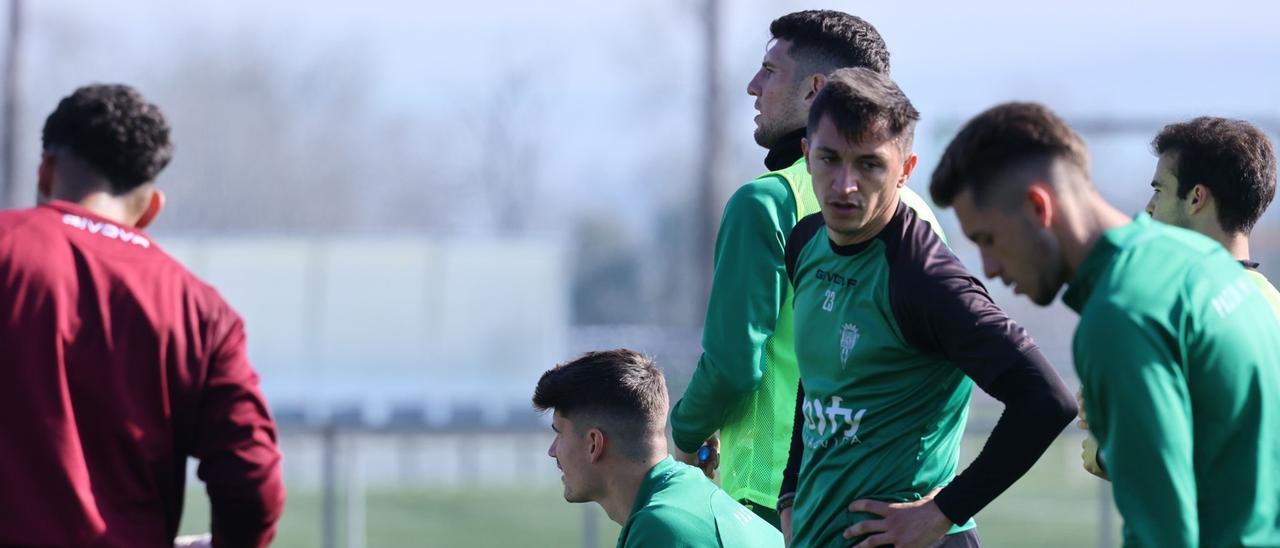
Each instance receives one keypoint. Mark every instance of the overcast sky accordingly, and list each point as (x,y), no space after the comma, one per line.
(608,80)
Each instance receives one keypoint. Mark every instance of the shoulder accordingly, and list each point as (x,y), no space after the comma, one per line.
(31,226)
(917,254)
(1170,271)
(667,524)
(769,193)
(800,236)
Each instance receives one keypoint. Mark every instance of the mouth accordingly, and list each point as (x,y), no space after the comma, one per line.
(844,208)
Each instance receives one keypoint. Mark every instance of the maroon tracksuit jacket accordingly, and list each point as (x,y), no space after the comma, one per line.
(116,364)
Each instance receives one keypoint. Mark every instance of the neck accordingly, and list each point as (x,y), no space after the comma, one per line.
(124,210)
(109,207)
(623,487)
(1237,244)
(785,151)
(1081,231)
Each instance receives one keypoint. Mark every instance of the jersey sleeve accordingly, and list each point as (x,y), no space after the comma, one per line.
(1139,408)
(948,312)
(236,446)
(747,292)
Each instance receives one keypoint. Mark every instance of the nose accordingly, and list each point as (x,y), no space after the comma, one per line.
(753,87)
(1151,205)
(551,451)
(845,181)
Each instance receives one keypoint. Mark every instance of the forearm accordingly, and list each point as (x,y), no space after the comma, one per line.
(791,474)
(708,403)
(1037,408)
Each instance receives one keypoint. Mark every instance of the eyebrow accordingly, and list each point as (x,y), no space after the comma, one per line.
(1155,183)
(979,235)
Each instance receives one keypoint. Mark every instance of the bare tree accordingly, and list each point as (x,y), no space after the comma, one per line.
(12,71)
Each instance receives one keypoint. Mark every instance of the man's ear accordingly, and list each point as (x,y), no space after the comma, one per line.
(813,84)
(1198,199)
(908,167)
(154,204)
(1039,203)
(44,176)
(596,442)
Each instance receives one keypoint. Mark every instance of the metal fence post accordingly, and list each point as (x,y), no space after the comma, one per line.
(329,501)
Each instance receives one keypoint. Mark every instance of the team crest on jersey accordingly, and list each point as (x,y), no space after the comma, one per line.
(848,338)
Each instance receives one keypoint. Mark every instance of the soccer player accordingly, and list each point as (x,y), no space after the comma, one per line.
(1176,349)
(891,334)
(116,362)
(745,382)
(1215,176)
(610,416)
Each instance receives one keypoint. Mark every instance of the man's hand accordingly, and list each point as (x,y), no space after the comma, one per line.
(916,524)
(784,519)
(1083,422)
(1089,454)
(709,467)
(1089,447)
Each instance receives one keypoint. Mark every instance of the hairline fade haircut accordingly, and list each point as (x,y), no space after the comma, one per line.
(825,40)
(1233,158)
(620,391)
(113,129)
(865,104)
(1008,143)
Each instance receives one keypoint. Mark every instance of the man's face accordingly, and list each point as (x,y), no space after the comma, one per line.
(779,95)
(1025,255)
(856,183)
(1165,206)
(571,450)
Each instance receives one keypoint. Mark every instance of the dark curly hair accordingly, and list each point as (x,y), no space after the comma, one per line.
(115,130)
(861,101)
(1233,158)
(1003,138)
(825,40)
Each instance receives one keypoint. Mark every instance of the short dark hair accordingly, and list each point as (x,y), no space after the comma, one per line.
(115,130)
(1233,158)
(825,40)
(864,103)
(621,391)
(1005,137)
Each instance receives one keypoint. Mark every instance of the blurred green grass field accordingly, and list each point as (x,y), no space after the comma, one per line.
(1055,505)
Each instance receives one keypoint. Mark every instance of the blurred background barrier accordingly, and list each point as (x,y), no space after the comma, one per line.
(471,481)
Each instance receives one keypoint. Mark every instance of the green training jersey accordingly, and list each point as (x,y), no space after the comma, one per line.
(1179,358)
(678,507)
(889,334)
(745,381)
